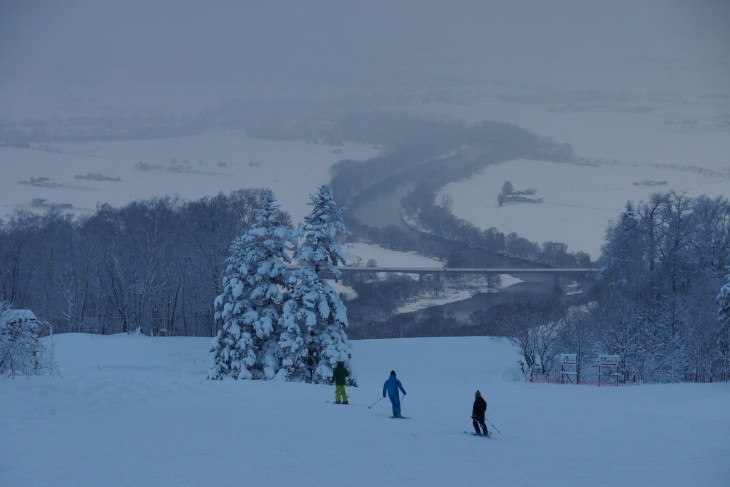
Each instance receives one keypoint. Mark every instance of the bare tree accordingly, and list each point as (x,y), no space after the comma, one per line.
(578,335)
(532,323)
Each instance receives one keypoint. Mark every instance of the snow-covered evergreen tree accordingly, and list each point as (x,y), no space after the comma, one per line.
(20,349)
(626,310)
(622,260)
(254,290)
(313,338)
(723,336)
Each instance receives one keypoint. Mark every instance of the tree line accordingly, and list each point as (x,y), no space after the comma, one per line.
(436,217)
(660,302)
(154,265)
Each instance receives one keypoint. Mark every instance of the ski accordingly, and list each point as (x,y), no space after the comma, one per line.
(339,403)
(400,417)
(474,434)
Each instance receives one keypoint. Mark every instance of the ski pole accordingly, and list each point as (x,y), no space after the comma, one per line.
(376,402)
(490,424)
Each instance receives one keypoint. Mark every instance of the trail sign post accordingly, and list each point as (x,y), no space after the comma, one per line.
(568,367)
(609,363)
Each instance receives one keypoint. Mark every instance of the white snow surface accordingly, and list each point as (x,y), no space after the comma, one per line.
(458,292)
(358,254)
(579,201)
(134,410)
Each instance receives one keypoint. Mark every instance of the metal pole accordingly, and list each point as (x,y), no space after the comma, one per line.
(376,402)
(492,425)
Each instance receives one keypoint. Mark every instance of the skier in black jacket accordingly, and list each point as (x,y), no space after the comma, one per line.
(477,414)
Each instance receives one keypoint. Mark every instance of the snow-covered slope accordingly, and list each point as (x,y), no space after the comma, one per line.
(135,410)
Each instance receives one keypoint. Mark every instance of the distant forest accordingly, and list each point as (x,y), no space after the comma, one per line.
(153,265)
(657,300)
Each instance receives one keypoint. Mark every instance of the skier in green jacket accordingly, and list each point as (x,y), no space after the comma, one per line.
(339,377)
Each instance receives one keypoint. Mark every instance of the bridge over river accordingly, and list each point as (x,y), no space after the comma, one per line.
(472,270)
(490,272)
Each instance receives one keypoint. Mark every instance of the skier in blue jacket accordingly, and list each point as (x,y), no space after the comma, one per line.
(391,386)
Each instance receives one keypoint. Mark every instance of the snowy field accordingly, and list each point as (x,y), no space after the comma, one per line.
(646,135)
(134,410)
(668,138)
(578,201)
(358,254)
(629,124)
(191,167)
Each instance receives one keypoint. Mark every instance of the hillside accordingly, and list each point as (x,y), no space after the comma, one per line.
(135,410)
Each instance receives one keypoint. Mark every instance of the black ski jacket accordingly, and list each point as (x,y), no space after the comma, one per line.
(479,408)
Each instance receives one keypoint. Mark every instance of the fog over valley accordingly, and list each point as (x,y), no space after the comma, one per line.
(180,55)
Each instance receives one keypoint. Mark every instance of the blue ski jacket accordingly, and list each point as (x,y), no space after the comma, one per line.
(391,386)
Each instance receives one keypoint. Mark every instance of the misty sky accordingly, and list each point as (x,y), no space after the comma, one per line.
(620,44)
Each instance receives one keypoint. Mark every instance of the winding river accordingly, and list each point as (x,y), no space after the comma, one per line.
(384,209)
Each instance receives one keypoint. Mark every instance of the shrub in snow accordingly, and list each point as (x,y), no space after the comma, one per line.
(20,351)
(532,323)
(254,290)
